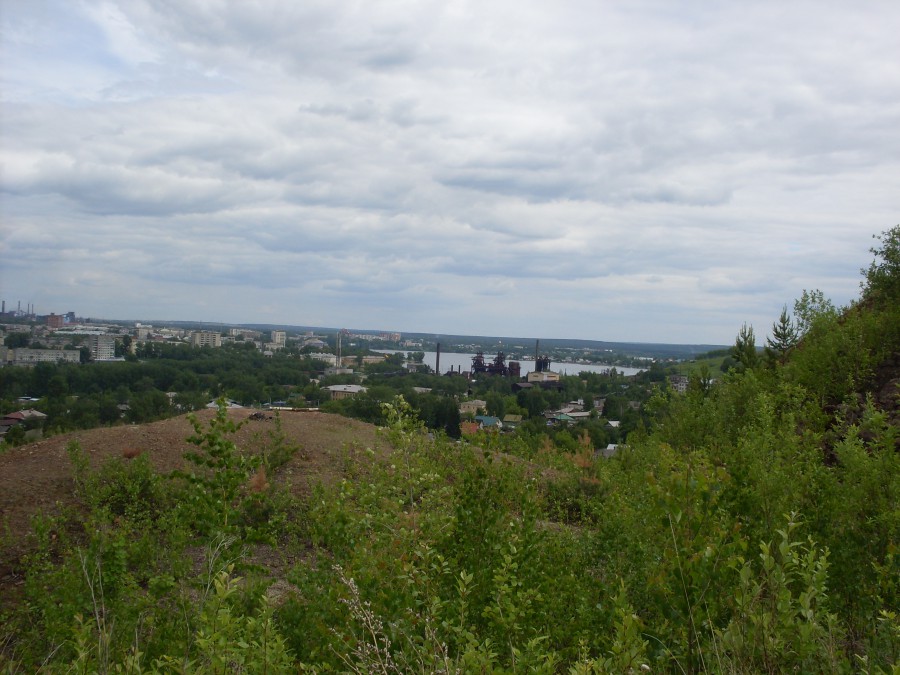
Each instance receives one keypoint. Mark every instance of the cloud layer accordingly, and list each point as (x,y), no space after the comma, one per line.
(648,171)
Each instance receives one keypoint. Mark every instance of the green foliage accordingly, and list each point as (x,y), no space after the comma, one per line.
(17,340)
(812,307)
(220,471)
(694,563)
(840,354)
(744,351)
(227,640)
(80,466)
(782,623)
(628,651)
(279,449)
(15,436)
(882,278)
(127,489)
(785,336)
(507,552)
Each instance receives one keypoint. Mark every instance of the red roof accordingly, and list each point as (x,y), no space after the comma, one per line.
(468,428)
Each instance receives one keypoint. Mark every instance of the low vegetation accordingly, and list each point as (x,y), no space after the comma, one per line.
(747,526)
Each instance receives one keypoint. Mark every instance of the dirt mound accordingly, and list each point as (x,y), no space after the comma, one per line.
(38,477)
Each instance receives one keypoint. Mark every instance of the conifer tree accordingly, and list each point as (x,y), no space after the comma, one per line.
(744,349)
(785,336)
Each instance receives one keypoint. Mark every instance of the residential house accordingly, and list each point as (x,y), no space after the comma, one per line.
(558,419)
(228,404)
(339,391)
(31,419)
(607,452)
(472,407)
(469,428)
(488,422)
(512,422)
(679,383)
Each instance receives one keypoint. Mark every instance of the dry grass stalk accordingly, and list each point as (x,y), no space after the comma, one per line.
(258,482)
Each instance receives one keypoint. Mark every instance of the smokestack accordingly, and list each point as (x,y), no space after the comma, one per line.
(4,307)
(537,349)
(437,360)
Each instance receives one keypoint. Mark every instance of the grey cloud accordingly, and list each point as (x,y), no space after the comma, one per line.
(428,158)
(694,196)
(528,186)
(389,56)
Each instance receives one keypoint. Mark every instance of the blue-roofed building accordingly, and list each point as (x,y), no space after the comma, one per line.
(488,422)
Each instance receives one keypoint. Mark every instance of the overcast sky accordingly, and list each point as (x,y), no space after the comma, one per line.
(652,171)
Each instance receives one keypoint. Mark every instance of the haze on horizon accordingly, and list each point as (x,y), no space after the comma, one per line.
(641,172)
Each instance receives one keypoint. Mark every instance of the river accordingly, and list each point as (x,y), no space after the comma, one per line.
(464,361)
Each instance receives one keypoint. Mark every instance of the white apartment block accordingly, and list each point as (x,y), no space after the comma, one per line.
(330,359)
(102,347)
(23,356)
(203,338)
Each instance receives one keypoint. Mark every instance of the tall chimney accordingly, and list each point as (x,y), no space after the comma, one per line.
(437,360)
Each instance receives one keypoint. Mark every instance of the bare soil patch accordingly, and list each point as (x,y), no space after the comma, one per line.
(37,477)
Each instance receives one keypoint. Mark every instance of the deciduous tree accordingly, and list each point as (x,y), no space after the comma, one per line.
(882,278)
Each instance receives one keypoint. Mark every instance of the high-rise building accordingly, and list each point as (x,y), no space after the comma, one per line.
(102,347)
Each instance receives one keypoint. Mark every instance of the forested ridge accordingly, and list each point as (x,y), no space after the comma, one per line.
(749,525)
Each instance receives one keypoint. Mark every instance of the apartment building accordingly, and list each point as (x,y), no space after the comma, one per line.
(204,338)
(103,347)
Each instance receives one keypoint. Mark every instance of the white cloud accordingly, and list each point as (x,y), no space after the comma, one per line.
(643,171)
(124,39)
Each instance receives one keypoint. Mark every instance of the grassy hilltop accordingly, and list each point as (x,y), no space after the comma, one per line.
(751,526)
